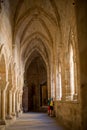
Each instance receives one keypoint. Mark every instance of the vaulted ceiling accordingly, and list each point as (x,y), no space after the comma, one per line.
(38,26)
(35,26)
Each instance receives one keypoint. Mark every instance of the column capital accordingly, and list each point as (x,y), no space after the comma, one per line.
(4,88)
(14,89)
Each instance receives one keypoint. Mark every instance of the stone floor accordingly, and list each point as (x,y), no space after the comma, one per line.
(34,121)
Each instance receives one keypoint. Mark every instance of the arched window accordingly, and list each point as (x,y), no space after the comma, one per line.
(53,87)
(59,84)
(71,74)
(71,60)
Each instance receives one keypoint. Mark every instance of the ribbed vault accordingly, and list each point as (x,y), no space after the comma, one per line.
(33,19)
(36,44)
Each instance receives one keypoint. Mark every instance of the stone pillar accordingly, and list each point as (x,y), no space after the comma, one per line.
(0,103)
(17,103)
(13,104)
(19,97)
(10,103)
(17,100)
(3,105)
(3,102)
(49,86)
(63,82)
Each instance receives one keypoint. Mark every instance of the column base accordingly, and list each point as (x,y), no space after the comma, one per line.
(19,113)
(2,122)
(10,120)
(9,117)
(75,96)
(13,114)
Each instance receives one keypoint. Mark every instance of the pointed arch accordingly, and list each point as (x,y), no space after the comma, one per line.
(39,37)
(44,52)
(59,83)
(38,42)
(71,62)
(35,55)
(72,86)
(38,11)
(43,24)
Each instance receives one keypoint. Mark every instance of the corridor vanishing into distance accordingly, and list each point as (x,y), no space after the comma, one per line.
(34,121)
(43,57)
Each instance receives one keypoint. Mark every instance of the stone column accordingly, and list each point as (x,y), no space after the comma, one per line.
(3,102)
(0,103)
(3,105)
(19,97)
(13,104)
(10,103)
(17,100)
(63,82)
(49,85)
(17,103)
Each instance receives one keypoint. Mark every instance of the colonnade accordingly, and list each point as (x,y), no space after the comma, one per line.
(12,103)
(10,91)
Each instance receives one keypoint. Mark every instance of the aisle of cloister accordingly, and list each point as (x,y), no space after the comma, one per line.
(43,55)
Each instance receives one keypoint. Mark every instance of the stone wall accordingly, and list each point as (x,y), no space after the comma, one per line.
(69,113)
(81,9)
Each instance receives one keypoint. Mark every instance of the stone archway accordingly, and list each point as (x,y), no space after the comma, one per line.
(35,77)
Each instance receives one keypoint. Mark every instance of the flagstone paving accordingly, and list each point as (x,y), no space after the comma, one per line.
(34,121)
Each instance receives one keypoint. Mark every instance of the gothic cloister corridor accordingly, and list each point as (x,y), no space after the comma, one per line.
(43,55)
(34,121)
